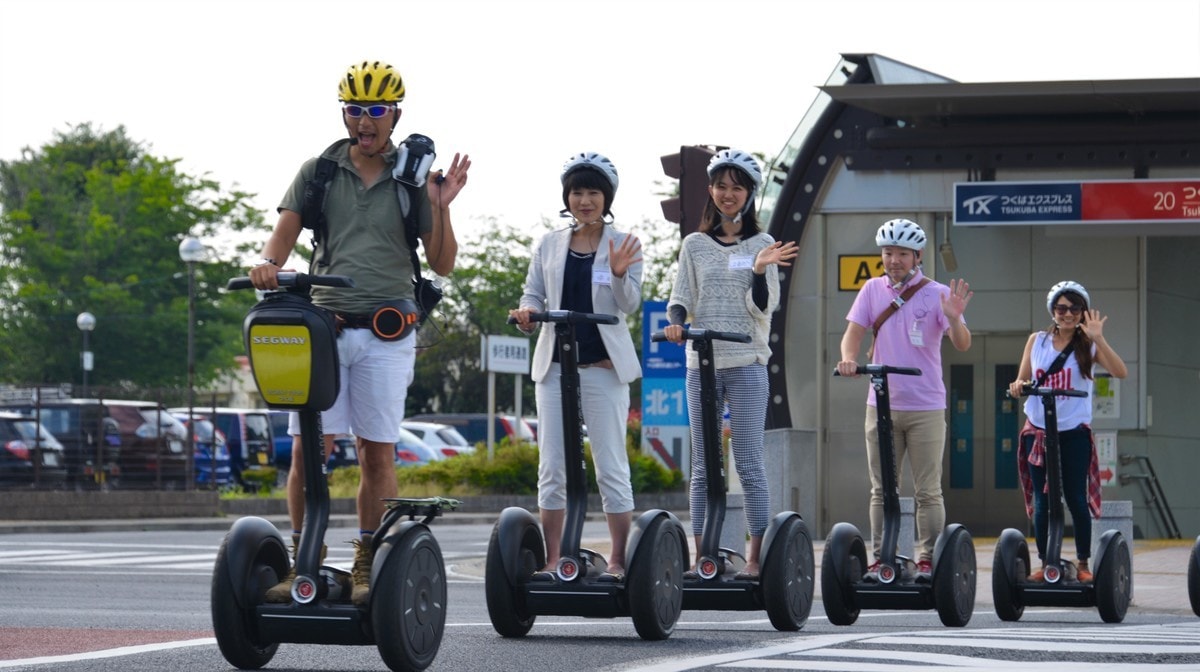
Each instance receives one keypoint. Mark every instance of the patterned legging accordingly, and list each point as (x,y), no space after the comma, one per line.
(745,389)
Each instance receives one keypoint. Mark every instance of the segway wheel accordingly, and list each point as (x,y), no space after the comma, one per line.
(408,601)
(1113,581)
(842,564)
(1010,567)
(787,578)
(954,580)
(505,599)
(655,580)
(1194,577)
(234,626)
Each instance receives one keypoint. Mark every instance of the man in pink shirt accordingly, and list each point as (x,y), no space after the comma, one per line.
(911,336)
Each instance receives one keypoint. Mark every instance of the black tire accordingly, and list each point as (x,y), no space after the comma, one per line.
(787,579)
(1113,581)
(236,628)
(655,580)
(954,580)
(1007,577)
(1194,577)
(842,563)
(505,600)
(408,602)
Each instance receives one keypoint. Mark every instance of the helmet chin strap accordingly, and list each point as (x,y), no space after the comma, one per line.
(907,276)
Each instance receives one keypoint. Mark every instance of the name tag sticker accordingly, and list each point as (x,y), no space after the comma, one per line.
(737,261)
(601,276)
(915,336)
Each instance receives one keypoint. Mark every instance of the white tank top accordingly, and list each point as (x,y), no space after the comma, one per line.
(1072,411)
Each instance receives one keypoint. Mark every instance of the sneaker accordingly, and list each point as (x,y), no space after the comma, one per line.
(872,572)
(1036,576)
(1083,575)
(924,568)
(360,574)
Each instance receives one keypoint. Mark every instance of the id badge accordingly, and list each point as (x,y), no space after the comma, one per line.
(738,261)
(915,336)
(601,276)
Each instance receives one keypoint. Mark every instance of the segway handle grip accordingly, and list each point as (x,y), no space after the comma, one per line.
(691,334)
(1031,391)
(872,369)
(569,316)
(295,279)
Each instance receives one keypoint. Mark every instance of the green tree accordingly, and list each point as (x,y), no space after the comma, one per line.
(92,222)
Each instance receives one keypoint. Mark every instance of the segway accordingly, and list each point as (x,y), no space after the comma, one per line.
(652,591)
(844,588)
(784,587)
(293,354)
(1111,584)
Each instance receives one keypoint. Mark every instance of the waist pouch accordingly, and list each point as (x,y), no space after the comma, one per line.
(391,321)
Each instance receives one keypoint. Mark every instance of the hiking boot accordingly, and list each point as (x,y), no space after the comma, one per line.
(1084,575)
(360,574)
(281,593)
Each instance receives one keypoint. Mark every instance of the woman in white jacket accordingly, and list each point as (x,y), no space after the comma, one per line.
(588,267)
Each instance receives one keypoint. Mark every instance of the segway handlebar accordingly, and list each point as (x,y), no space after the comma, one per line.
(1030,390)
(296,280)
(691,334)
(570,316)
(884,369)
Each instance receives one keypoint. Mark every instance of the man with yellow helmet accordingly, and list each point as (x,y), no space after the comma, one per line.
(363,236)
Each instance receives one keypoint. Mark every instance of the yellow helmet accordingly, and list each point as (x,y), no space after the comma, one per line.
(371,81)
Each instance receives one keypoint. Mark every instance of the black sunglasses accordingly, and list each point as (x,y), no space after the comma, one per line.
(1062,308)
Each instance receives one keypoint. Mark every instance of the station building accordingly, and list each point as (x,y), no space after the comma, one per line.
(884,139)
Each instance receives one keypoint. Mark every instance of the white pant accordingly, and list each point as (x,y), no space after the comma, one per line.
(374,378)
(605,401)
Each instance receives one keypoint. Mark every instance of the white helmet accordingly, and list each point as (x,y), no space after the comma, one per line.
(901,233)
(1066,286)
(590,160)
(737,159)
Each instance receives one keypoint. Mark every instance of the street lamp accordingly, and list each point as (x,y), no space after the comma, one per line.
(191,250)
(86,323)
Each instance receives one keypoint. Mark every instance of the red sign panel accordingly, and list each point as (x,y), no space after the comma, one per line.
(1152,200)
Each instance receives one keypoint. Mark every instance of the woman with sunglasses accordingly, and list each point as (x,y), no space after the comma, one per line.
(1078,327)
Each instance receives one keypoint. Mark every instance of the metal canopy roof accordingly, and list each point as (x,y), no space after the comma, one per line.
(1134,97)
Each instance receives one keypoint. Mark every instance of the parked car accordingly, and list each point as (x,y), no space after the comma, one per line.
(211,461)
(29,450)
(411,451)
(473,426)
(345,452)
(247,434)
(116,441)
(443,438)
(281,439)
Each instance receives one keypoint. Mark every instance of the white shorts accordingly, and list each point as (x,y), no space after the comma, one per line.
(375,376)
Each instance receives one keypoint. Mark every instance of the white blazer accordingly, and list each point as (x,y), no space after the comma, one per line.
(543,291)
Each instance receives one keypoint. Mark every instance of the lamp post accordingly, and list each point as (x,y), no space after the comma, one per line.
(191,250)
(86,323)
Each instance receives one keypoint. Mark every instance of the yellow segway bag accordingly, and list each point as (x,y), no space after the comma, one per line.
(293,353)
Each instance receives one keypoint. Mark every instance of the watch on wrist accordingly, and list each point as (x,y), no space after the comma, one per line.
(266,260)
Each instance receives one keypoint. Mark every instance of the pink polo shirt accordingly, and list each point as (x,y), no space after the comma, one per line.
(912,336)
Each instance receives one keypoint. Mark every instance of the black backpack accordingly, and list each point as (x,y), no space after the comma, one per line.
(312,216)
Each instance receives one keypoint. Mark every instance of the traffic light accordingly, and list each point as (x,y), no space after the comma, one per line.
(690,167)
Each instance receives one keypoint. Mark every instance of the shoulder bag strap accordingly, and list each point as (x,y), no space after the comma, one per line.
(892,308)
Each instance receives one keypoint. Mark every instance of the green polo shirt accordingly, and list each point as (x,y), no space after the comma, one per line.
(366,233)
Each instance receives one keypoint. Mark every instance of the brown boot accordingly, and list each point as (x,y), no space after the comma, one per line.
(281,593)
(360,574)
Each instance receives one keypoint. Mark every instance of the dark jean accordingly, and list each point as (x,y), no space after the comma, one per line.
(1075,447)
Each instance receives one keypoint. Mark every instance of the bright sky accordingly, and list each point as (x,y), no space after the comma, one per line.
(245,90)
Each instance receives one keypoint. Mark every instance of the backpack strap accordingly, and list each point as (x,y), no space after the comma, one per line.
(312,211)
(895,305)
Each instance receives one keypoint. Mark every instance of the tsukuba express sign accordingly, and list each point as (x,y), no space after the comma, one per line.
(1084,202)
